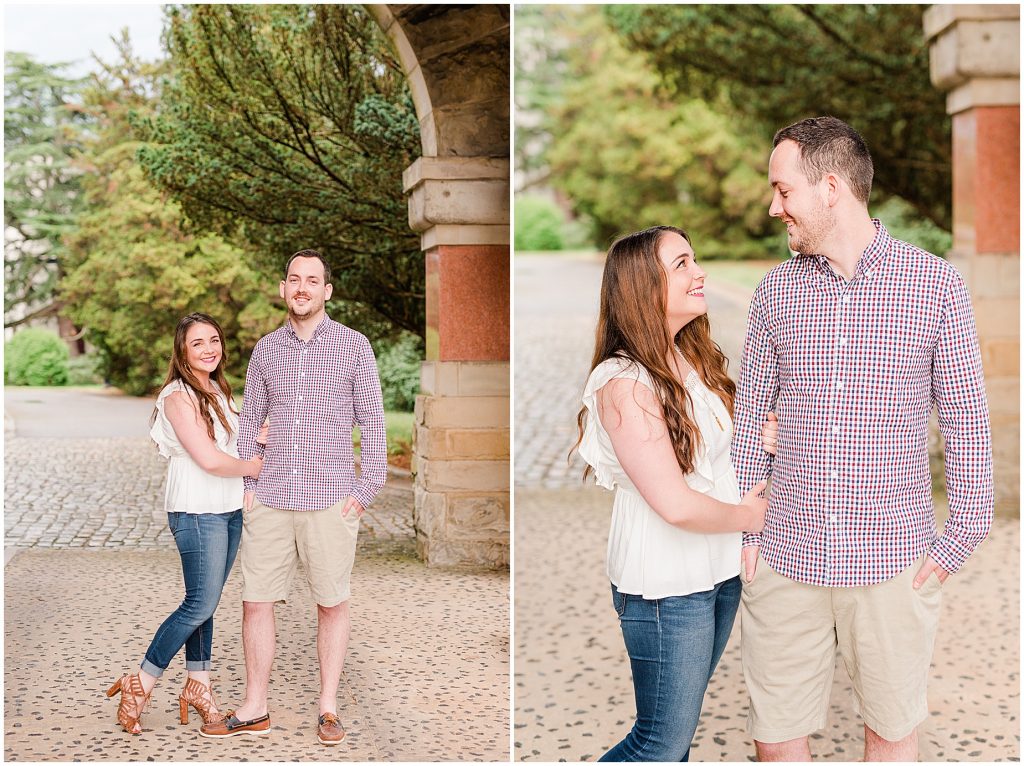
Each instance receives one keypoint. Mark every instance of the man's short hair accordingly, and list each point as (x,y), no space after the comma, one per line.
(309,254)
(829,145)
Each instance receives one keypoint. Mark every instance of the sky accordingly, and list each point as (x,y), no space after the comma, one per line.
(70,32)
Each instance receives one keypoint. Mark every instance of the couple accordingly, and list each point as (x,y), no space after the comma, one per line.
(850,343)
(298,500)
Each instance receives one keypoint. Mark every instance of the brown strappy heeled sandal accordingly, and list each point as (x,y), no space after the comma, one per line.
(200,696)
(134,701)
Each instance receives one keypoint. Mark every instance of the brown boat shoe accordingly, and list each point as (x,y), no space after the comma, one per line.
(329,729)
(232,727)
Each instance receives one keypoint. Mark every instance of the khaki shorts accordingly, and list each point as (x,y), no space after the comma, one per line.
(885,634)
(274,541)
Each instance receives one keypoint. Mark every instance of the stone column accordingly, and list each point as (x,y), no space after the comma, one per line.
(975,58)
(461,439)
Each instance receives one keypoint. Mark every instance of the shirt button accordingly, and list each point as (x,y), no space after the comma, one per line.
(835,429)
(295,446)
(300,397)
(296,422)
(832,518)
(295,470)
(846,299)
(839,385)
(302,374)
(842,341)
(835,474)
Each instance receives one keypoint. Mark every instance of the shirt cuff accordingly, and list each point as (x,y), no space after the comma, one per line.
(949,553)
(249,483)
(751,540)
(363,494)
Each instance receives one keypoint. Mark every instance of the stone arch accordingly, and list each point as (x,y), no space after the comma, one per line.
(457,60)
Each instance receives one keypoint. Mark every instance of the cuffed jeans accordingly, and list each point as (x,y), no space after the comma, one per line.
(207,543)
(674,645)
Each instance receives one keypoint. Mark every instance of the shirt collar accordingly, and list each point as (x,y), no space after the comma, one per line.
(320,329)
(869,260)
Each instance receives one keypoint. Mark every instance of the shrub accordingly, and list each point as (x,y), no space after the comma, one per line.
(398,363)
(36,357)
(83,370)
(538,224)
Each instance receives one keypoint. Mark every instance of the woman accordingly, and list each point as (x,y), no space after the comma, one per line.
(195,426)
(656,423)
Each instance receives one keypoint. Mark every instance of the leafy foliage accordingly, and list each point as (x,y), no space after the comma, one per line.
(288,126)
(630,155)
(135,272)
(35,357)
(777,64)
(398,363)
(41,188)
(538,224)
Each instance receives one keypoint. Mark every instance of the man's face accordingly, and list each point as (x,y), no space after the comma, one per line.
(802,206)
(303,290)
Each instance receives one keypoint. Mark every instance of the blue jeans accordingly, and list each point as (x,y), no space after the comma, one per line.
(674,645)
(207,543)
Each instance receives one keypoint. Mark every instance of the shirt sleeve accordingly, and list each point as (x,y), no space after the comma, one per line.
(958,390)
(254,412)
(756,394)
(368,407)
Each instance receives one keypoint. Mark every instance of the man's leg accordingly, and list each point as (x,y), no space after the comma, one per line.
(333,627)
(878,749)
(793,750)
(258,641)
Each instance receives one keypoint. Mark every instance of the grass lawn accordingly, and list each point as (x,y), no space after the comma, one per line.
(743,273)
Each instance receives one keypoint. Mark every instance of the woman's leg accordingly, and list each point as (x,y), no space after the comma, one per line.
(670,642)
(198,546)
(727,602)
(221,539)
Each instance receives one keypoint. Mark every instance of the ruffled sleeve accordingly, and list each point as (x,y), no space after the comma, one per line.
(162,432)
(596,447)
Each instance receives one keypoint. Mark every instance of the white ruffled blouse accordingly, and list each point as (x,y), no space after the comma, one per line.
(647,556)
(190,489)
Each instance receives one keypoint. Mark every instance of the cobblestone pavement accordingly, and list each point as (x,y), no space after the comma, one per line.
(427,674)
(556,304)
(574,697)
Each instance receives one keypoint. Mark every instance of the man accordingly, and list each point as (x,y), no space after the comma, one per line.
(316,379)
(851,342)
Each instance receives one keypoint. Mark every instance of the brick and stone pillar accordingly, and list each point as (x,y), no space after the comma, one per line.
(460,208)
(975,58)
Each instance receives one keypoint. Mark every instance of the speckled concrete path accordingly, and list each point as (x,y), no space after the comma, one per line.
(574,697)
(95,571)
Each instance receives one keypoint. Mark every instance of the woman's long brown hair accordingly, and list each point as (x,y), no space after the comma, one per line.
(179,369)
(631,325)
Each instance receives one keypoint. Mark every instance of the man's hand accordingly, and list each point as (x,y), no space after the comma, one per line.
(247,500)
(749,562)
(925,571)
(352,504)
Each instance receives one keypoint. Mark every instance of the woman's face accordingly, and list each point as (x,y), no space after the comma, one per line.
(684,301)
(203,347)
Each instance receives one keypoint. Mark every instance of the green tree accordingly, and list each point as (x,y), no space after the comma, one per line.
(41,188)
(777,64)
(135,270)
(289,126)
(629,155)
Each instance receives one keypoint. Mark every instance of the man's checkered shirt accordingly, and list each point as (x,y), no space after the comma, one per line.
(852,370)
(315,391)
